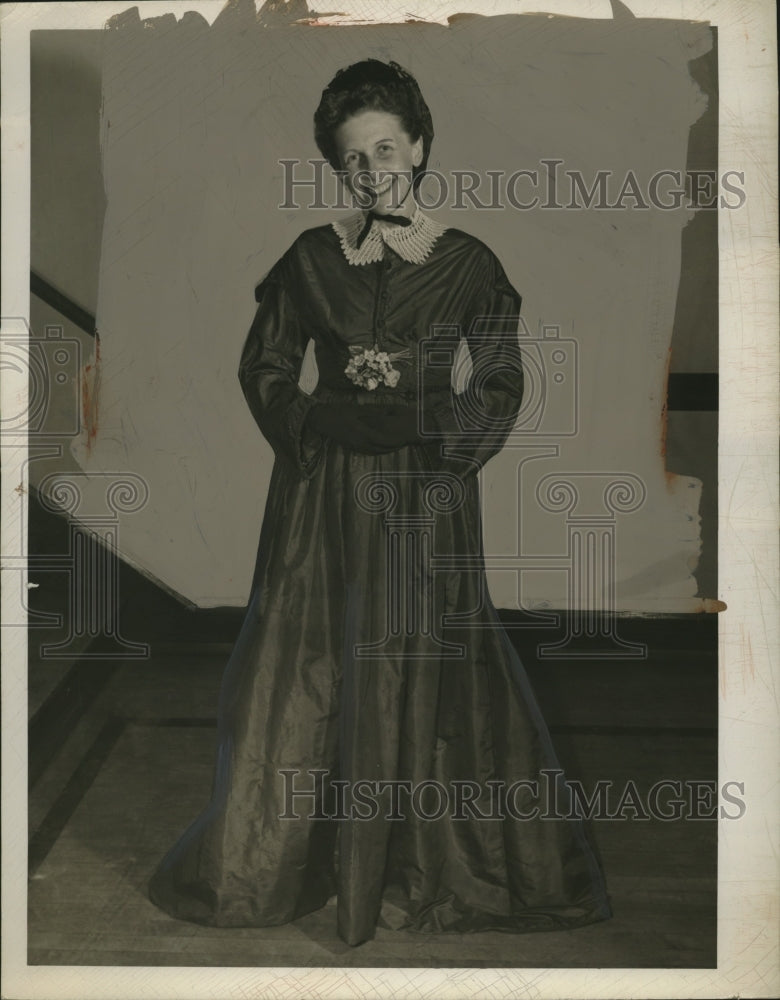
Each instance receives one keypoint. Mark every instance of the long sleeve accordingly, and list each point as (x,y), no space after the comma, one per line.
(469,428)
(269,369)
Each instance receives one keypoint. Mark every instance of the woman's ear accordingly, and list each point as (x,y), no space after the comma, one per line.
(417,152)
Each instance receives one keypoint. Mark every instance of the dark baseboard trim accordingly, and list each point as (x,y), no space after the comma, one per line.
(66,803)
(692,391)
(60,713)
(64,305)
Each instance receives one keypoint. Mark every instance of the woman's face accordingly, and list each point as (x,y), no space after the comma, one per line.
(378,157)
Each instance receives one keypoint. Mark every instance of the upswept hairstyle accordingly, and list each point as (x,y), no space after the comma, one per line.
(372,85)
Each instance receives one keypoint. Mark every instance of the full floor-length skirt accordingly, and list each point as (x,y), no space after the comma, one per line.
(372,657)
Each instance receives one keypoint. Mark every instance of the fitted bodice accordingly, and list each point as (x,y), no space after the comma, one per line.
(420,309)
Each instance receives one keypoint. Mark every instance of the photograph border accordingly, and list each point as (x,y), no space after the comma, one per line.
(749,729)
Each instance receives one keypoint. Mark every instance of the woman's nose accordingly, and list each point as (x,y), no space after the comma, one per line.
(374,164)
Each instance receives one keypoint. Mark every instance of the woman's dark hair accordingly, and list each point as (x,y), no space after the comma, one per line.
(372,85)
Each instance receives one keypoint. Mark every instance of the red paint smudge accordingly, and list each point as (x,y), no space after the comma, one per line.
(90,396)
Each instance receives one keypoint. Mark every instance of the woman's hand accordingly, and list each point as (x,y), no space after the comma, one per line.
(371,428)
(399,421)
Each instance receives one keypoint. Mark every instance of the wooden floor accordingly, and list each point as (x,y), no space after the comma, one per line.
(121,756)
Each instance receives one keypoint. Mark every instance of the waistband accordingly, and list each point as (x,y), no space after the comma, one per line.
(382,394)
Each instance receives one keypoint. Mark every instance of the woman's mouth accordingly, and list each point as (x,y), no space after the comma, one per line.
(383,186)
(380,186)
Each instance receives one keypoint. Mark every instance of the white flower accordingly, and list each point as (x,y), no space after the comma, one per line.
(369,367)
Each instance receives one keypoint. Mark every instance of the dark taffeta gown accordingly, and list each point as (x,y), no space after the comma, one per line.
(371,670)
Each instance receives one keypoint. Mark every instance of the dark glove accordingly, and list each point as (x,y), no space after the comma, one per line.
(397,423)
(371,429)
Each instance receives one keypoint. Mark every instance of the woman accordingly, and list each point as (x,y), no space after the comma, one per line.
(378,738)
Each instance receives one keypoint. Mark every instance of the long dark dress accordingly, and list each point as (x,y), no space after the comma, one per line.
(371,651)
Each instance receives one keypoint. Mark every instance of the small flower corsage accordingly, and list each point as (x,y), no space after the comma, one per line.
(370,367)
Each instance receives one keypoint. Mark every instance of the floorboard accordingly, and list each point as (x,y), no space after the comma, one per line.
(147,773)
(122,754)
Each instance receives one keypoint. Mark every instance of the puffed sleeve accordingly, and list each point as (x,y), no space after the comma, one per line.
(269,369)
(469,428)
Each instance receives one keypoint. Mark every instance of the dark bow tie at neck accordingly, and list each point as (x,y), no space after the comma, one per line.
(398,220)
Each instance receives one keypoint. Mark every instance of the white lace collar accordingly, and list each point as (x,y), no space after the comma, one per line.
(413,242)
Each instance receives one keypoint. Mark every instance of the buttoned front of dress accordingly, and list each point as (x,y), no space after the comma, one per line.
(396,303)
(383,291)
